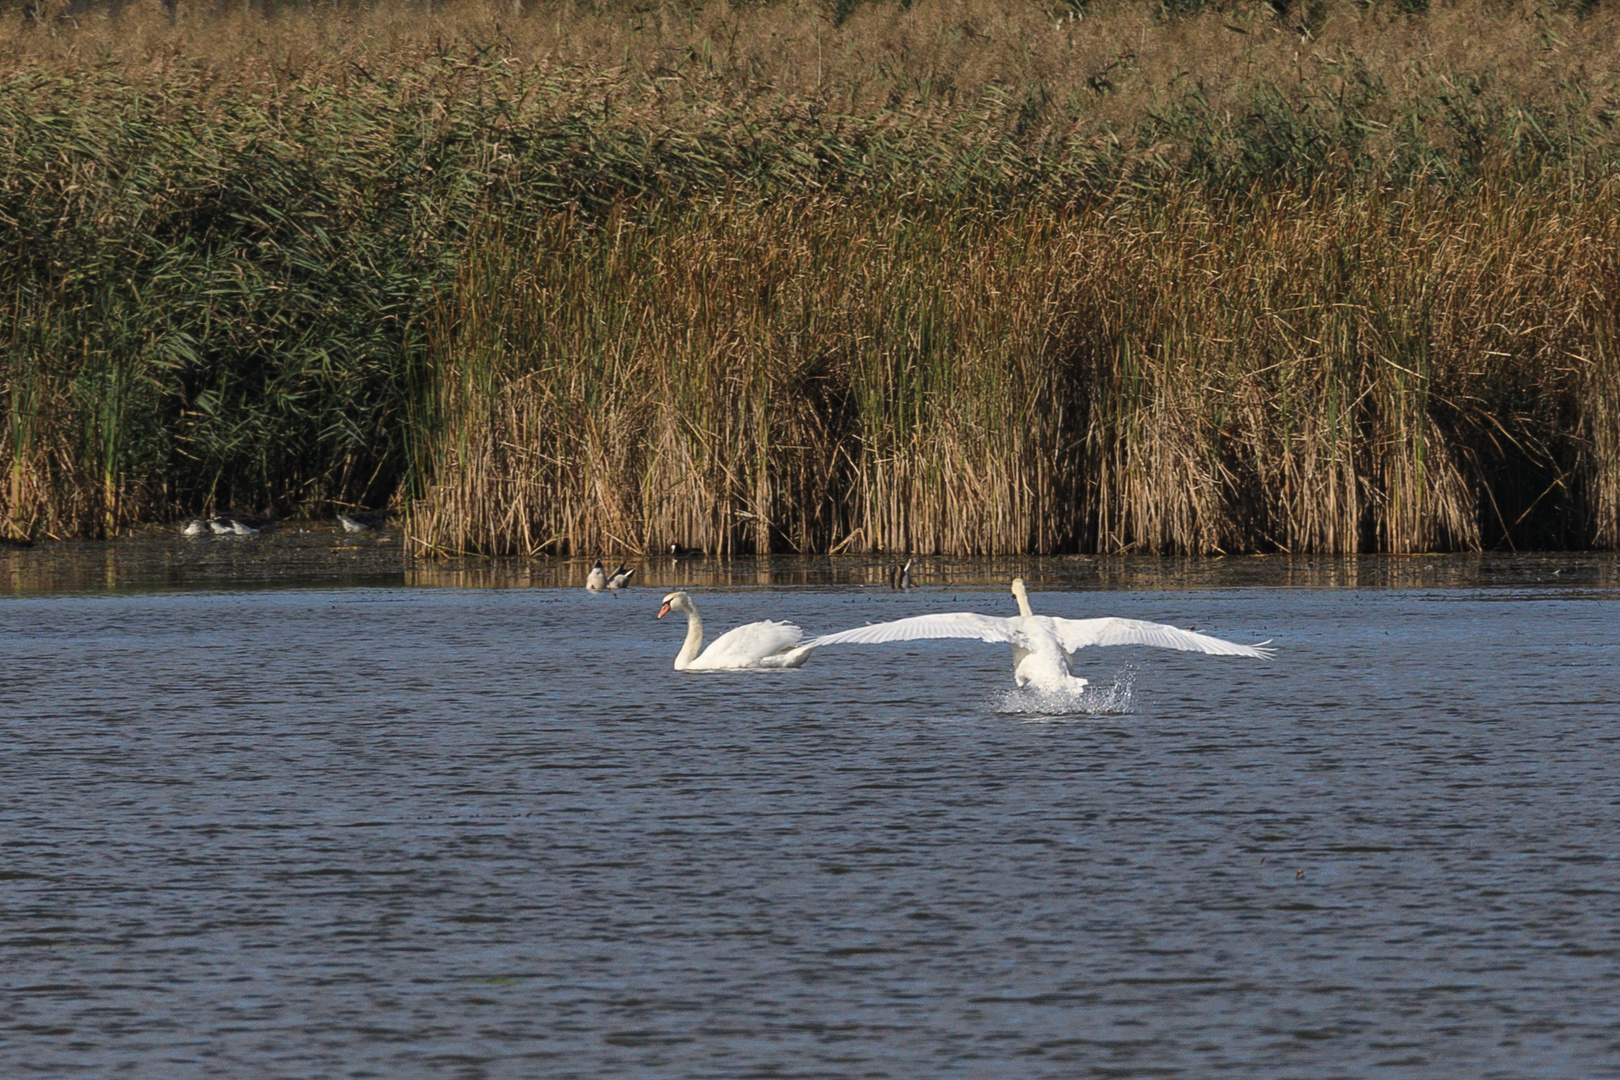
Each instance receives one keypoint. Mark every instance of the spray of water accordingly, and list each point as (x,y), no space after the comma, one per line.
(1095,699)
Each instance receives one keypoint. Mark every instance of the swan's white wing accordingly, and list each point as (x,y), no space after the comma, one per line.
(955,624)
(748,644)
(1076,634)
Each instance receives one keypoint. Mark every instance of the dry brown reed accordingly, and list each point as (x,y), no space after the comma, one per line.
(954,276)
(1317,371)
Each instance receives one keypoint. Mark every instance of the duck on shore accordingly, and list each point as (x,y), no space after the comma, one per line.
(360,522)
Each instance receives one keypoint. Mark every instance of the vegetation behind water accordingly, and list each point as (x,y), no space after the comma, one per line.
(959,276)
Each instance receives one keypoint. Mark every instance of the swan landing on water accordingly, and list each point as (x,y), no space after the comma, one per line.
(1043,647)
(755,645)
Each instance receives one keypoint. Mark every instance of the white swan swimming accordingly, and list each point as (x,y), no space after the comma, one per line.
(1043,647)
(754,645)
(596,580)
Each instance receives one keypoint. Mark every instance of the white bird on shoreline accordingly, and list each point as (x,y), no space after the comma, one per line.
(596,580)
(1043,647)
(220,527)
(620,578)
(754,645)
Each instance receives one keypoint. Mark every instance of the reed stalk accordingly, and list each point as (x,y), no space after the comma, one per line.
(1309,370)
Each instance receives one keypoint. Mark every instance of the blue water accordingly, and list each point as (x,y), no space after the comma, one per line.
(435,832)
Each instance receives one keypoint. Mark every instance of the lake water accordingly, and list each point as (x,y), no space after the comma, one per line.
(383,825)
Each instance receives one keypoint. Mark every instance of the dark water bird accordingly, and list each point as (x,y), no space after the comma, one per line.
(620,578)
(248,524)
(596,580)
(678,551)
(899,577)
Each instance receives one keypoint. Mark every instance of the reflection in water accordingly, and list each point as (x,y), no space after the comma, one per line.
(322,556)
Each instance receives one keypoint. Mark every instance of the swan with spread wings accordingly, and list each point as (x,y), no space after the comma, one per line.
(1043,647)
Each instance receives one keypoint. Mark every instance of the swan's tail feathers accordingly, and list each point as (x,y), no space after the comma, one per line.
(793,658)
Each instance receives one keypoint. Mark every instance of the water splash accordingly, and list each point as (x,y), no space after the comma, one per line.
(1095,699)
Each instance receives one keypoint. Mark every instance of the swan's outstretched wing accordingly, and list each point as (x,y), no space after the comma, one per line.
(955,624)
(1076,634)
(750,643)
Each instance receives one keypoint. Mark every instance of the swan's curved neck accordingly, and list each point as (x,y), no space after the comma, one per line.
(1023,601)
(694,640)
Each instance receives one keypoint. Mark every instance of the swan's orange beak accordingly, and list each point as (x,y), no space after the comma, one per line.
(663,611)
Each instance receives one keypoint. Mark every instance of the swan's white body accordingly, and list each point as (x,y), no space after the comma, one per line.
(596,580)
(755,645)
(1043,647)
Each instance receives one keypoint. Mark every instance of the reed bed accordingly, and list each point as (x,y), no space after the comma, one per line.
(955,276)
(1304,371)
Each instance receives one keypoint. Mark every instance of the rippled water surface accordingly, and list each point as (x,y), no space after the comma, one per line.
(406,831)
